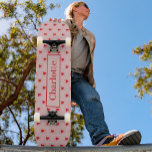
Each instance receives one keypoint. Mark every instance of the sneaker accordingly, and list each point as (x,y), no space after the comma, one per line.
(132,137)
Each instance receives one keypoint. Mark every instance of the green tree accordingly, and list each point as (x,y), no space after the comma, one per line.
(143,75)
(17,72)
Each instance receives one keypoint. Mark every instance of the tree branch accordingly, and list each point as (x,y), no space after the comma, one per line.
(5,95)
(24,32)
(20,130)
(28,131)
(14,84)
(14,96)
(10,131)
(34,24)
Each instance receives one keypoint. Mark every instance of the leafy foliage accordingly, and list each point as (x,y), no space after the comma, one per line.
(17,72)
(143,75)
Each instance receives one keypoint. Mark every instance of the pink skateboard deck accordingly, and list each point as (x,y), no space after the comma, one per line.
(53,85)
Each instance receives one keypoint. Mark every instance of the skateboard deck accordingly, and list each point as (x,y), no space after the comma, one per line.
(53,85)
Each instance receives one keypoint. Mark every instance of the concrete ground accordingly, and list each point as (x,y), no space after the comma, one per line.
(136,148)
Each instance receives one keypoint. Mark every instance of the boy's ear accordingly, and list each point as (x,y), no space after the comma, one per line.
(75,9)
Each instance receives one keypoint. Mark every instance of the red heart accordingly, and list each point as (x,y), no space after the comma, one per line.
(62,34)
(50,29)
(39,94)
(44,59)
(54,34)
(67,95)
(45,34)
(40,65)
(61,145)
(57,109)
(67,110)
(47,138)
(67,52)
(52,131)
(42,145)
(38,124)
(62,131)
(44,87)
(45,24)
(38,109)
(62,102)
(41,29)
(66,138)
(63,24)
(62,73)
(43,102)
(59,29)
(57,138)
(62,46)
(54,24)
(40,52)
(42,130)
(45,45)
(44,73)
(48,109)
(67,124)
(52,145)
(67,29)
(67,81)
(58,123)
(66,66)
(39,80)
(50,19)
(62,59)
(37,138)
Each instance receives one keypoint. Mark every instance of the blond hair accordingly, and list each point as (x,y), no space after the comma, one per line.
(69,9)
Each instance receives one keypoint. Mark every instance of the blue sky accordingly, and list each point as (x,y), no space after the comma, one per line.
(119,26)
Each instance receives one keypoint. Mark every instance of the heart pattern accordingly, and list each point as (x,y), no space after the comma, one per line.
(46,134)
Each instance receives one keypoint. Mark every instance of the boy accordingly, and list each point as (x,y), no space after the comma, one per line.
(83,90)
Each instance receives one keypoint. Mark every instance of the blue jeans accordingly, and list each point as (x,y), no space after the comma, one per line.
(89,101)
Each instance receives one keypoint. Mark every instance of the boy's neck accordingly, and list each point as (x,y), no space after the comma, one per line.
(79,22)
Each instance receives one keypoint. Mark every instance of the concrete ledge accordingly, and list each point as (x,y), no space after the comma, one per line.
(138,148)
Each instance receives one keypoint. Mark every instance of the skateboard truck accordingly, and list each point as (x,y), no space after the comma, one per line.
(52,117)
(54,44)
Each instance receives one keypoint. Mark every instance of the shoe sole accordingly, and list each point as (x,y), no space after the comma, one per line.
(131,138)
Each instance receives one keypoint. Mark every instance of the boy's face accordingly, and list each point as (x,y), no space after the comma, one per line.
(82,10)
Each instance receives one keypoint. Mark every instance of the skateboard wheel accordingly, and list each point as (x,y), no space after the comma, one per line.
(68,41)
(39,40)
(37,117)
(67,117)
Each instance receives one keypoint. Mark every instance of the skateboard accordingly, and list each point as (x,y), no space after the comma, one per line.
(53,85)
